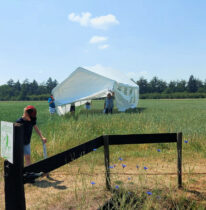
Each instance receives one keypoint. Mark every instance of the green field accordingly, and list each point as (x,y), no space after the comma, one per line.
(152,116)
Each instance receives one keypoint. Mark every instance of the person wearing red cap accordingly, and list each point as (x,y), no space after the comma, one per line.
(29,121)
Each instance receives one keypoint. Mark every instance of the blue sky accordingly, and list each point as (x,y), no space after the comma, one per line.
(49,38)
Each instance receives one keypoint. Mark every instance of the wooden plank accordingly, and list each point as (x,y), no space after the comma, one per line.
(107,162)
(142,138)
(13,174)
(63,158)
(179,159)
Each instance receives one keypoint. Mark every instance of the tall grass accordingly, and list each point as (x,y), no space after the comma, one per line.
(152,116)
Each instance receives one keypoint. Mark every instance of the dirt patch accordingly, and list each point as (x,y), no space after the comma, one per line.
(77,186)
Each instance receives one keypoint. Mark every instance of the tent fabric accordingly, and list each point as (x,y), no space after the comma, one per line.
(83,85)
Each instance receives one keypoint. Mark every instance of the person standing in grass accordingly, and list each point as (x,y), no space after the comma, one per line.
(72,108)
(109,104)
(88,105)
(52,109)
(29,121)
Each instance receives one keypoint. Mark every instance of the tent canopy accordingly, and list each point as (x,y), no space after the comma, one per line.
(83,85)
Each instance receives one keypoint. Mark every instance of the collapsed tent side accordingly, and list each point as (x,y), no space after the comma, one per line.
(126,96)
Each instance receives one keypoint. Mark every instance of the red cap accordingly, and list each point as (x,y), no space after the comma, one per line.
(33,111)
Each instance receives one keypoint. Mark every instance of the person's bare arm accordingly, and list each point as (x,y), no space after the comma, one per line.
(40,134)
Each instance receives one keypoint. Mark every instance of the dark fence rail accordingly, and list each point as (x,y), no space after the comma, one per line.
(11,171)
(142,138)
(63,158)
(68,156)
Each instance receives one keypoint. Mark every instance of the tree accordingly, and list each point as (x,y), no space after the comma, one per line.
(16,89)
(181,86)
(192,84)
(10,83)
(172,86)
(25,90)
(34,87)
(5,92)
(55,83)
(17,86)
(157,86)
(143,85)
(51,84)
(10,90)
(43,88)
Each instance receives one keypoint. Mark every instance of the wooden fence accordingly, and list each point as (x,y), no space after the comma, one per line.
(13,173)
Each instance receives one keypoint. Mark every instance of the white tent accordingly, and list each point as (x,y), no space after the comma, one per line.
(83,85)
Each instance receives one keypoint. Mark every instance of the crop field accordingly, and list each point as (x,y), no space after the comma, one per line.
(148,179)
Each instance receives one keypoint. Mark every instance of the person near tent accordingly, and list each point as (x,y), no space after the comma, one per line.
(52,109)
(109,103)
(72,108)
(29,121)
(88,105)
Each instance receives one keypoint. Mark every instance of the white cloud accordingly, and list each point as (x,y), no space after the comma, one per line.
(97,39)
(86,20)
(104,22)
(102,47)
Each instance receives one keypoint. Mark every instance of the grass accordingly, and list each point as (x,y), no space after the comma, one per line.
(152,116)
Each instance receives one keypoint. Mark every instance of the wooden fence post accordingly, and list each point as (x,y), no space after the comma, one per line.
(179,159)
(106,161)
(13,174)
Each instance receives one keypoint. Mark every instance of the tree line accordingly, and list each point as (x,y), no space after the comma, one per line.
(27,90)
(157,88)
